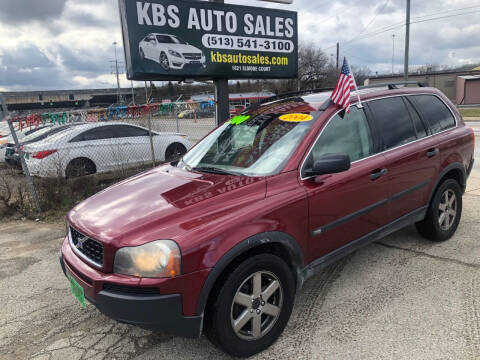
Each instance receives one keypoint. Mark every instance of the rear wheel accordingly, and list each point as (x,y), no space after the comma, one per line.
(252,306)
(174,152)
(444,213)
(80,167)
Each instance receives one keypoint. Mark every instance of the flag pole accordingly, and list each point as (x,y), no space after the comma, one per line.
(354,83)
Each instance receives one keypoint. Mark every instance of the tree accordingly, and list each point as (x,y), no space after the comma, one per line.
(312,66)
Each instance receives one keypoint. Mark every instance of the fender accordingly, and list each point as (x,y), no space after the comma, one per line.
(453,166)
(260,239)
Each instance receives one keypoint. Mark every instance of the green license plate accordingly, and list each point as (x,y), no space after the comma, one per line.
(77,291)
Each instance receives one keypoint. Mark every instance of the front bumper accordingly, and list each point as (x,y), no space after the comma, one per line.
(161,313)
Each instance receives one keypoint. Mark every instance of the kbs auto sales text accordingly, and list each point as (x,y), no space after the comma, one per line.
(216,20)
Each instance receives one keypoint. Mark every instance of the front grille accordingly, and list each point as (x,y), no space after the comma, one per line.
(190,56)
(91,249)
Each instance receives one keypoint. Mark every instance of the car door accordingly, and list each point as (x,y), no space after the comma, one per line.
(133,143)
(346,206)
(412,155)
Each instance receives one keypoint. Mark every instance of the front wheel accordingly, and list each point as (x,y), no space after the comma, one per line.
(252,307)
(444,213)
(164,62)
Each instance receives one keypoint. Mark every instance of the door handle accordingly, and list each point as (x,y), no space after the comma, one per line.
(433,152)
(376,174)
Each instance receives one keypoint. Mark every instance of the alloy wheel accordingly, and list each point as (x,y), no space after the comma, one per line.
(447,210)
(256,306)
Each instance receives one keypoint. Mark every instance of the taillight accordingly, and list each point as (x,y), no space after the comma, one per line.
(43,154)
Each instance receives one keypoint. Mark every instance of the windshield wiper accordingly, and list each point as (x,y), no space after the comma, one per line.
(214,170)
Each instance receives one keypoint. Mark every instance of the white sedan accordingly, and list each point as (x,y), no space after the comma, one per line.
(170,52)
(100,147)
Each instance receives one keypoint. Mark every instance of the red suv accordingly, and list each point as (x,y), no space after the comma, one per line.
(220,241)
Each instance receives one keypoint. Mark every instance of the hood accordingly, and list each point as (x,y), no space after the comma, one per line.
(182,48)
(163,203)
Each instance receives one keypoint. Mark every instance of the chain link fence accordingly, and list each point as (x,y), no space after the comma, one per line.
(70,155)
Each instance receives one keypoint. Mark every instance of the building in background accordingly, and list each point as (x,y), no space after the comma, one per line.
(461,87)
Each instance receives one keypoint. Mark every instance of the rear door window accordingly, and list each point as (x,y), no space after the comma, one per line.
(124,131)
(98,133)
(434,110)
(417,121)
(393,122)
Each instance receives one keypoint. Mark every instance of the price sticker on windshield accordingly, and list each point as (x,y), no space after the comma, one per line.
(296,117)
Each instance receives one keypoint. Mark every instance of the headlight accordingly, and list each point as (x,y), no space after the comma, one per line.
(174,53)
(158,259)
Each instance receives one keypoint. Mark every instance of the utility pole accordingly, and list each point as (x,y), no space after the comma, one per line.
(133,94)
(407,42)
(222,97)
(338,57)
(393,54)
(116,71)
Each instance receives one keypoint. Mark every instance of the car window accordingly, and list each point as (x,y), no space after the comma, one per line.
(122,131)
(417,121)
(349,135)
(434,111)
(393,121)
(97,133)
(165,39)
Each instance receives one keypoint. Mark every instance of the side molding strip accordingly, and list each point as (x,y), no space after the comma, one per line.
(367,209)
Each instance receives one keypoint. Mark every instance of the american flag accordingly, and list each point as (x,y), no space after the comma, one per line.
(346,83)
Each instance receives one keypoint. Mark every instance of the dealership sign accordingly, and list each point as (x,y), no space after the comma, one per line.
(175,40)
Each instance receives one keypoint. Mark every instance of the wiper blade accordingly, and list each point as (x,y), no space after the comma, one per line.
(214,170)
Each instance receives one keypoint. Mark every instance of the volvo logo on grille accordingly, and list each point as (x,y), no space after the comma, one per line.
(80,241)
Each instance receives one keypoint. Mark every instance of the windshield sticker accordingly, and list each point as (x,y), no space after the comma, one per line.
(239,119)
(296,117)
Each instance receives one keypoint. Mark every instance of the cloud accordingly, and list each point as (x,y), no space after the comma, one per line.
(68,43)
(24,11)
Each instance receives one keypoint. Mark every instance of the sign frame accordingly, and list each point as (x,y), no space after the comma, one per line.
(262,66)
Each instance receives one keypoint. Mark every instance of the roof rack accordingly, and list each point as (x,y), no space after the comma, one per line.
(392,86)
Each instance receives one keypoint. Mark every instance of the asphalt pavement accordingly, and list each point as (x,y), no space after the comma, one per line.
(400,298)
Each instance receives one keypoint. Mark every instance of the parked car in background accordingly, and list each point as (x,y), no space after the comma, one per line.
(196,114)
(100,147)
(171,52)
(7,141)
(11,153)
(220,241)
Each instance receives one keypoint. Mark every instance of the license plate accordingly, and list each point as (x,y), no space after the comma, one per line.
(77,291)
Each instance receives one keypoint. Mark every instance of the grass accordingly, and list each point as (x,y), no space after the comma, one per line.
(472,112)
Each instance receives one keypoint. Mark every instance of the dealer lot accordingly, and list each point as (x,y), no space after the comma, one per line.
(400,298)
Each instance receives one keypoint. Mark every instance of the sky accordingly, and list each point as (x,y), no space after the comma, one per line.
(67,44)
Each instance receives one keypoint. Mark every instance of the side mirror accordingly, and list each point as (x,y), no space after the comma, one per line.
(330,164)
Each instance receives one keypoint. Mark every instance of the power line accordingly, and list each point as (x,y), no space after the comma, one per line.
(418,19)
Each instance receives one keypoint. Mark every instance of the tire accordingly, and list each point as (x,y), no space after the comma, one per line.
(164,62)
(80,167)
(259,327)
(174,152)
(443,216)
(142,54)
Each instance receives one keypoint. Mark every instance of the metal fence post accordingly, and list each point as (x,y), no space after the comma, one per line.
(4,115)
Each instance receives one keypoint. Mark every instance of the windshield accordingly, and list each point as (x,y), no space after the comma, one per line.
(259,146)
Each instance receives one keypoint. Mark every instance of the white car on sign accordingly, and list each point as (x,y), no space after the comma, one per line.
(171,52)
(100,147)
